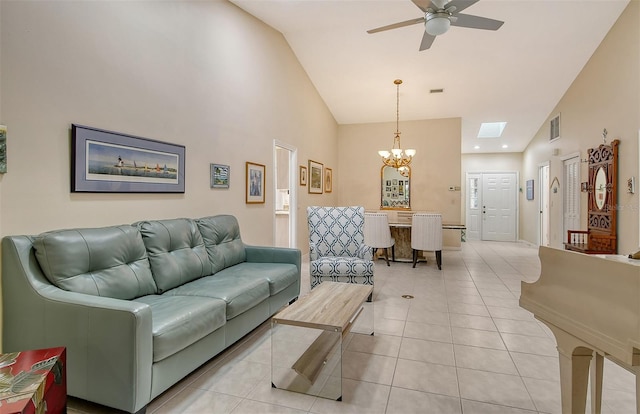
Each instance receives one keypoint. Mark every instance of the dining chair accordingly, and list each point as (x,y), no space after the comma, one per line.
(337,251)
(377,234)
(426,235)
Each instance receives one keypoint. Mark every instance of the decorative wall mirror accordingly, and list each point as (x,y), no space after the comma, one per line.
(600,188)
(395,188)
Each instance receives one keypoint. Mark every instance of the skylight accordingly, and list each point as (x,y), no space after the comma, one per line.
(491,129)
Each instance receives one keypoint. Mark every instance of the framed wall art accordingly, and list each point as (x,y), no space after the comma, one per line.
(328,180)
(111,162)
(315,177)
(303,175)
(255,180)
(3,149)
(219,175)
(529,189)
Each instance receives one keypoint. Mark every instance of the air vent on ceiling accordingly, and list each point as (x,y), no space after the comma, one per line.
(554,128)
(436,90)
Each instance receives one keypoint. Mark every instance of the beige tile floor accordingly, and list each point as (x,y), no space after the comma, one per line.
(461,345)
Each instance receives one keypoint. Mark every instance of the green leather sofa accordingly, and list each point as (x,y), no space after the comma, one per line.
(140,306)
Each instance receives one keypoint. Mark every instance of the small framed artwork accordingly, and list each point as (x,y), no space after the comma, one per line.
(303,175)
(315,177)
(219,176)
(328,180)
(111,162)
(3,149)
(255,183)
(529,189)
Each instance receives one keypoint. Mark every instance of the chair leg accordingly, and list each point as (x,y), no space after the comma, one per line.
(393,253)
(439,259)
(386,256)
(415,257)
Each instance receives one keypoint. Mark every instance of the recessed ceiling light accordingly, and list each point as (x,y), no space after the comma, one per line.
(505,146)
(476,147)
(491,129)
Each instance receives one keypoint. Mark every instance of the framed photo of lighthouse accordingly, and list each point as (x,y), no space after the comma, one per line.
(111,162)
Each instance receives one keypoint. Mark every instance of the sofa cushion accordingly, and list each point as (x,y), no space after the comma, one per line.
(279,275)
(176,251)
(109,261)
(240,293)
(179,321)
(221,235)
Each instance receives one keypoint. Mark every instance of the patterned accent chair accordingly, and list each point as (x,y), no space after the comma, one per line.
(336,246)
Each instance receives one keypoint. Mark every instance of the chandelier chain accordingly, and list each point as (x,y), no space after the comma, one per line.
(398,106)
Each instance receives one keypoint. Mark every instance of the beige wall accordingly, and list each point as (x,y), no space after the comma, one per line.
(434,169)
(202,74)
(205,75)
(606,94)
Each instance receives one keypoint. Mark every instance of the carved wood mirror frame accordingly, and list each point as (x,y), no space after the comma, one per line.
(603,196)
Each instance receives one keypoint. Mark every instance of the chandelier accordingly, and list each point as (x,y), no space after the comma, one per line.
(397,157)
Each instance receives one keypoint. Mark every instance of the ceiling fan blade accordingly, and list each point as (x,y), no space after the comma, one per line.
(427,41)
(476,22)
(422,4)
(397,25)
(460,4)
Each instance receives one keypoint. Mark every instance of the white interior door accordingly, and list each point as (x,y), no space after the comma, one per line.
(571,195)
(474,206)
(499,213)
(543,191)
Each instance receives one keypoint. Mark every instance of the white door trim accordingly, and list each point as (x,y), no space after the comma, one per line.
(293,190)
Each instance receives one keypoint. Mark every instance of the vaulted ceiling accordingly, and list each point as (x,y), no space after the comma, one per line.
(516,74)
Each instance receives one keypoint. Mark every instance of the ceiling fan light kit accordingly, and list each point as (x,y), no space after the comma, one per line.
(437,24)
(439,15)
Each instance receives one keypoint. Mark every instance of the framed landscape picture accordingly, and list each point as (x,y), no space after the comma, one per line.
(111,162)
(315,177)
(328,180)
(255,180)
(219,176)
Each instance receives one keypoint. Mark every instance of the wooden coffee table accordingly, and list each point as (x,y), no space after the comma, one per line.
(307,338)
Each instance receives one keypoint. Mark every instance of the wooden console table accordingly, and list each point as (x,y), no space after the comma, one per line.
(307,338)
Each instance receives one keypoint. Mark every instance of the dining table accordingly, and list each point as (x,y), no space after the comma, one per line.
(401,232)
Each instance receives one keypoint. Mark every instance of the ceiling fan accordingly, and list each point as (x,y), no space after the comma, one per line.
(439,15)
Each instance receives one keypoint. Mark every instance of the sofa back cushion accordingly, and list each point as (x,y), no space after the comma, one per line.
(176,251)
(110,261)
(221,236)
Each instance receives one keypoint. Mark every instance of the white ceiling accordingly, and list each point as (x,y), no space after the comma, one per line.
(516,74)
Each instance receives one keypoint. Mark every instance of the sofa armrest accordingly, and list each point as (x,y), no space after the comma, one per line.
(102,335)
(265,254)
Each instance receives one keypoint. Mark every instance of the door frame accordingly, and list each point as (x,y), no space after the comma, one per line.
(293,189)
(543,191)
